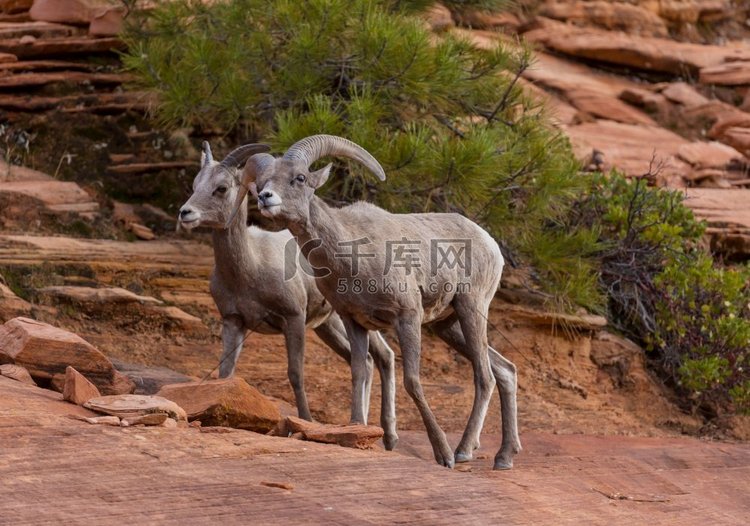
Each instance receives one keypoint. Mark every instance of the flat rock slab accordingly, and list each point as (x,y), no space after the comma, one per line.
(87,474)
(130,406)
(647,53)
(727,213)
(54,196)
(631,148)
(105,295)
(355,435)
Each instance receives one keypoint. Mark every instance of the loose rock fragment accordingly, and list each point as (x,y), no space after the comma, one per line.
(77,389)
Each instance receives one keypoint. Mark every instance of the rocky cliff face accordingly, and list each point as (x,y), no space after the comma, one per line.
(644,84)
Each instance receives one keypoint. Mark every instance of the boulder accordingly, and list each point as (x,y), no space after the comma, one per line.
(230,402)
(77,389)
(69,11)
(354,435)
(16,372)
(130,406)
(47,351)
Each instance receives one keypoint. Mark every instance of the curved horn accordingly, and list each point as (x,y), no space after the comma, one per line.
(314,147)
(255,165)
(238,156)
(207,152)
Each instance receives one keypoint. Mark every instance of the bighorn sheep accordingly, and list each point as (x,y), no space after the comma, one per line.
(373,292)
(253,293)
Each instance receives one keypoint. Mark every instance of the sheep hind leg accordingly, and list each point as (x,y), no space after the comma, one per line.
(507,380)
(469,338)
(409,337)
(333,334)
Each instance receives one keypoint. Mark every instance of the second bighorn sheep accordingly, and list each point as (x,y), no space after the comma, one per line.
(373,291)
(253,293)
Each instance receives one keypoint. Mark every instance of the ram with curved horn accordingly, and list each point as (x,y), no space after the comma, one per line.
(261,284)
(358,252)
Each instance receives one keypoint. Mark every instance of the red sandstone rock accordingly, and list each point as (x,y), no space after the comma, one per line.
(11,305)
(16,372)
(355,435)
(439,17)
(107,22)
(708,154)
(230,402)
(608,15)
(78,389)
(15,6)
(655,54)
(130,406)
(684,94)
(47,351)
(728,74)
(68,11)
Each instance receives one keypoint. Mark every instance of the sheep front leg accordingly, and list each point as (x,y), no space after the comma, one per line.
(358,343)
(386,363)
(232,338)
(294,334)
(410,338)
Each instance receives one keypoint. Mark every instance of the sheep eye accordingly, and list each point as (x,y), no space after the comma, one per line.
(300,178)
(221,190)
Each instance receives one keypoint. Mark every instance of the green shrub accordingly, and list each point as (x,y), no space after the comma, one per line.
(703,330)
(666,293)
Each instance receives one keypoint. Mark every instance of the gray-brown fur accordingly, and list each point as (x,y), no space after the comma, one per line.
(251,291)
(285,190)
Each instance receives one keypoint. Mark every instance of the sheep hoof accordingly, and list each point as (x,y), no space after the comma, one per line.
(502,464)
(390,441)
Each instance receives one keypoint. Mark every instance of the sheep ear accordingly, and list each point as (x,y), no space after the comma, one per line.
(319,177)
